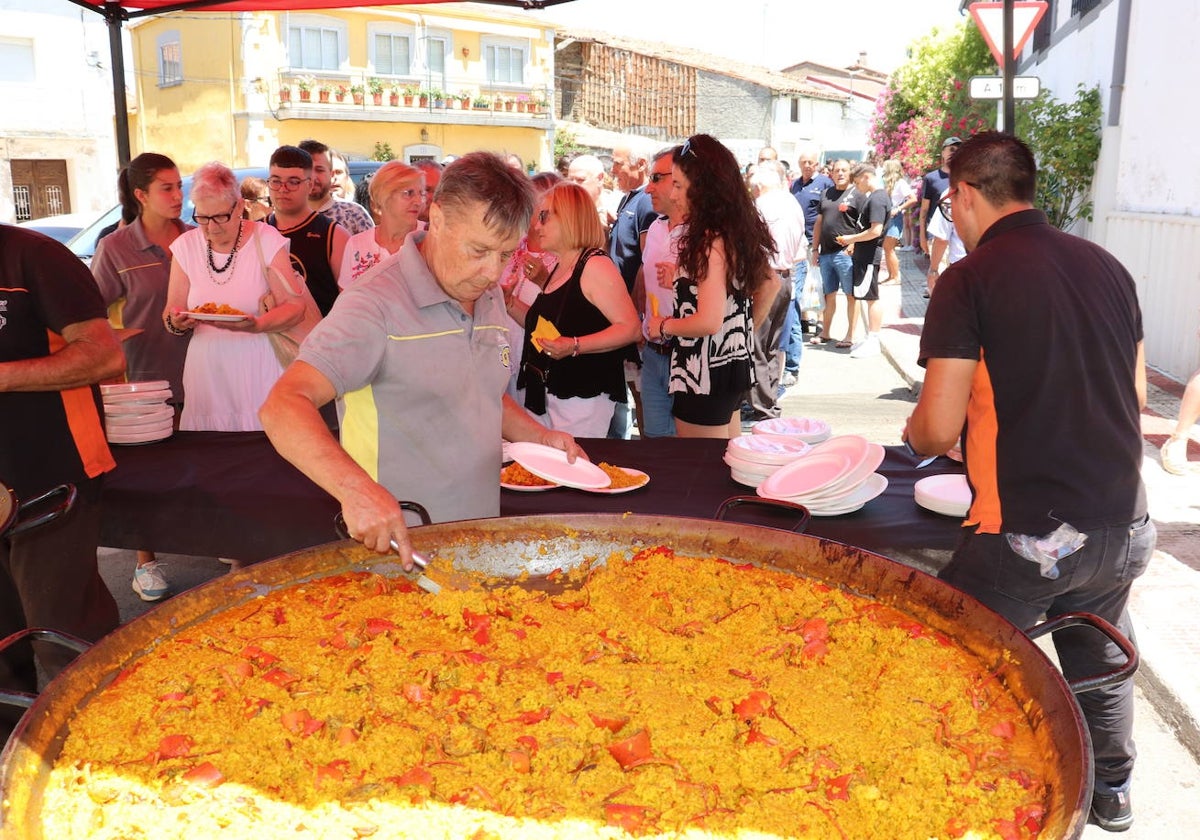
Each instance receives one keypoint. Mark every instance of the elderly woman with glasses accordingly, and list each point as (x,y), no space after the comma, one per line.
(397,193)
(722,271)
(577,329)
(222,270)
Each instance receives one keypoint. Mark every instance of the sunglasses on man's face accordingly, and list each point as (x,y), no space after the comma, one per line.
(655,177)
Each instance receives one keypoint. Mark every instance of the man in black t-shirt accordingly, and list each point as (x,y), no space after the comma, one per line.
(932,186)
(1034,356)
(841,206)
(866,254)
(55,344)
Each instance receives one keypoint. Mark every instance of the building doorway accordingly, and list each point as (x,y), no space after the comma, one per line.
(40,188)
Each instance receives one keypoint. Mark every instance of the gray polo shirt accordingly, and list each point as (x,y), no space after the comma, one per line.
(132,270)
(419,384)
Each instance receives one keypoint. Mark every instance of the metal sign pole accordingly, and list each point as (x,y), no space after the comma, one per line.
(1010,121)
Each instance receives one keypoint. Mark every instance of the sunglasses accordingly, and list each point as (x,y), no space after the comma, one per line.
(686,149)
(219,218)
(655,177)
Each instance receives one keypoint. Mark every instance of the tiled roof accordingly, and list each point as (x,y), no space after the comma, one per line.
(703,61)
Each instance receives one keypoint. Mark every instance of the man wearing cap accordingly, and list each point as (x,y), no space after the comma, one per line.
(933,185)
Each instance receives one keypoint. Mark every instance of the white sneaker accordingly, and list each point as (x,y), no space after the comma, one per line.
(867,348)
(1174,455)
(149,583)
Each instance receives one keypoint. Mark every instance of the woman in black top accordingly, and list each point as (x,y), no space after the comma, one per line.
(572,382)
(723,271)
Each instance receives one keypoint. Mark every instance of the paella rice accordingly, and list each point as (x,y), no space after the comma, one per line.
(518,476)
(651,695)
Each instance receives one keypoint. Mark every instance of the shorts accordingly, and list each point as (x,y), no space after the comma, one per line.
(866,281)
(706,409)
(837,272)
(895,227)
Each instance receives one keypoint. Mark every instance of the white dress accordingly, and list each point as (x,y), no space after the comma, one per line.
(362,253)
(227,374)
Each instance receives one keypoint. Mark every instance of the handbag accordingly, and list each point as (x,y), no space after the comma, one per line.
(812,297)
(286,343)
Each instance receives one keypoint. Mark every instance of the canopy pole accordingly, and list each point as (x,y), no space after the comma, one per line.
(113,15)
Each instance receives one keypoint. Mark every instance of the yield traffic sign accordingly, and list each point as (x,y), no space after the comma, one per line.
(989,17)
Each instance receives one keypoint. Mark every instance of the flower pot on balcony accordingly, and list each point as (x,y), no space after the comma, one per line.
(423,101)
(306,96)
(394,100)
(408,100)
(322,96)
(377,98)
(285,96)
(358,98)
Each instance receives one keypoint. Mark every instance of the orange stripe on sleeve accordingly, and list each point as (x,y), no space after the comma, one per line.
(983,430)
(85,423)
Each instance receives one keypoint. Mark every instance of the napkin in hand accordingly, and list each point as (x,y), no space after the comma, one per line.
(543,331)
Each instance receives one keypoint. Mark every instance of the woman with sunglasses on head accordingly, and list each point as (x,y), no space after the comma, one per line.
(132,266)
(723,270)
(256,198)
(230,364)
(397,194)
(574,379)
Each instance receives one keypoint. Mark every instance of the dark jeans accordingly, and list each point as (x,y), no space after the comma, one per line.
(49,578)
(1096,579)
(794,329)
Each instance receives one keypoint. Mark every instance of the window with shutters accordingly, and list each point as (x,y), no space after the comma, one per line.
(504,60)
(316,42)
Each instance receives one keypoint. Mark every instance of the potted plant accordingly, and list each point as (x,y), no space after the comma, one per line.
(522,103)
(481,103)
(356,93)
(540,106)
(509,103)
(285,95)
(423,97)
(394,96)
(305,83)
(411,92)
(464,100)
(376,88)
(339,93)
(323,92)
(438,97)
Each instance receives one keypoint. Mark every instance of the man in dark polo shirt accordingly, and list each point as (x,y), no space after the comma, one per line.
(317,242)
(808,189)
(55,344)
(1033,354)
(933,185)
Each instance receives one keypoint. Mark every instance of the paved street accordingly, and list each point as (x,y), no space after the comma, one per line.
(872,397)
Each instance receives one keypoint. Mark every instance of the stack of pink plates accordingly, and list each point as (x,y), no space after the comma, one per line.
(807,429)
(754,458)
(138,412)
(947,494)
(836,478)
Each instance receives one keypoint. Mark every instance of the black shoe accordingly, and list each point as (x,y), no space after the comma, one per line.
(1113,811)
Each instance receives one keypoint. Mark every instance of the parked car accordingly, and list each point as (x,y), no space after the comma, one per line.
(63,227)
(83,245)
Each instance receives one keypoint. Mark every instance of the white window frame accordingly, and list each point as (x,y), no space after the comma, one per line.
(435,78)
(393,30)
(170,73)
(492,42)
(323,24)
(18,60)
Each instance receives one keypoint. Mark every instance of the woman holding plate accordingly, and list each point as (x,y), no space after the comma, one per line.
(223,264)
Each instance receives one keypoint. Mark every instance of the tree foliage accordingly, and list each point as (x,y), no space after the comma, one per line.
(383,151)
(1065,140)
(926,98)
(566,143)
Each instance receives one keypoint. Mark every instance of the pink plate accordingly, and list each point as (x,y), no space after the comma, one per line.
(805,476)
(551,464)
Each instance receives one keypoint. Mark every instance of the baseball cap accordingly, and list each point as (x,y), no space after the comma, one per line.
(951,141)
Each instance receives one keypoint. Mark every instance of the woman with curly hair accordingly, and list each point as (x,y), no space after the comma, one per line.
(723,269)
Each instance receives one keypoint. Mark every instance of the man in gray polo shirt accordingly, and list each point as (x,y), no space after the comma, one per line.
(417,355)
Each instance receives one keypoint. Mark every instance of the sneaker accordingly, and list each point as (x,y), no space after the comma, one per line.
(925,293)
(789,379)
(149,583)
(1113,811)
(866,348)
(1174,455)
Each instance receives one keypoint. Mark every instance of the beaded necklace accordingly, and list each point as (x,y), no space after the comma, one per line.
(212,265)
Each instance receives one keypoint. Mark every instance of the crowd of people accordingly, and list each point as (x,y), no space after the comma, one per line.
(450,308)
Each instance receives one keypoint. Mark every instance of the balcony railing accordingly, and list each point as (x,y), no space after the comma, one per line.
(368,93)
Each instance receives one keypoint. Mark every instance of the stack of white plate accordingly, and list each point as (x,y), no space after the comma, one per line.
(807,429)
(836,478)
(947,494)
(754,458)
(138,412)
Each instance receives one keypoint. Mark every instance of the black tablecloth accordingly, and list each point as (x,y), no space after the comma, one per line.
(228,494)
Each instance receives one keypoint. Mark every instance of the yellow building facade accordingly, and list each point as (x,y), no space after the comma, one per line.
(233,87)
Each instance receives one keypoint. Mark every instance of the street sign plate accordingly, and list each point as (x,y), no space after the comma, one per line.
(992,87)
(989,17)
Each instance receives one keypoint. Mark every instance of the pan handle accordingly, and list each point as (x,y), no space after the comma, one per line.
(737,501)
(22,699)
(67,491)
(339,521)
(1079,619)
